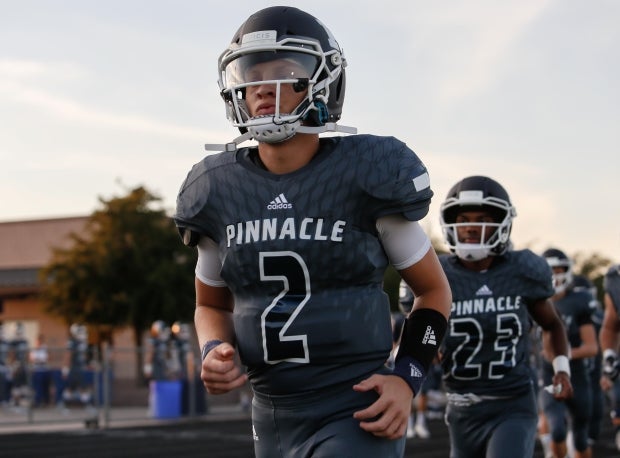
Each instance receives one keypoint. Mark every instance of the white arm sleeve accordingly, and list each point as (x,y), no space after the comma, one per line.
(404,241)
(209,265)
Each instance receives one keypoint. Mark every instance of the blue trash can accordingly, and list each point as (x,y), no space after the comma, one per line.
(165,398)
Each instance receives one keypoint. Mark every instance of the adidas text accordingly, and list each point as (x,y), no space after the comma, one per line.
(279,203)
(274,206)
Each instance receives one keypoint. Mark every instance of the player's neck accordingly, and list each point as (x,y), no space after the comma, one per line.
(290,155)
(478,266)
(558,296)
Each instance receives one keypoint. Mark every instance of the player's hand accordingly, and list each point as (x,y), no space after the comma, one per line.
(611,365)
(220,373)
(563,386)
(387,416)
(606,383)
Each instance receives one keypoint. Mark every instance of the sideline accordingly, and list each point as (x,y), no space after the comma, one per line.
(53,419)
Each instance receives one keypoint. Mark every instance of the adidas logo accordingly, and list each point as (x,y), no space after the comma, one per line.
(429,337)
(415,372)
(278,203)
(484,291)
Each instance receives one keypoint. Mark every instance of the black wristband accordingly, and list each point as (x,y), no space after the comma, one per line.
(411,371)
(208,346)
(422,334)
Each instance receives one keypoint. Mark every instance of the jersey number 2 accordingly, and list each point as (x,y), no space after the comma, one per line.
(290,269)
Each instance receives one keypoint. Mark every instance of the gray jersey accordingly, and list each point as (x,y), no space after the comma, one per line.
(486,348)
(611,284)
(301,255)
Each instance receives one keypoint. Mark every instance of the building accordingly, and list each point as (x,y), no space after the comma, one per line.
(25,247)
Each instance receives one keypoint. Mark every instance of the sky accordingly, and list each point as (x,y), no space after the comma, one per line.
(98,97)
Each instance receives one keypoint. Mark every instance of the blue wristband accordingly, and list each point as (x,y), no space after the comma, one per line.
(411,371)
(210,345)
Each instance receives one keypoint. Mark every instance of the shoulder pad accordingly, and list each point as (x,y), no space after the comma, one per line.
(393,175)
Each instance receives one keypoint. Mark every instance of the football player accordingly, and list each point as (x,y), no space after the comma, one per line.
(609,337)
(595,365)
(294,236)
(20,389)
(77,389)
(485,355)
(574,309)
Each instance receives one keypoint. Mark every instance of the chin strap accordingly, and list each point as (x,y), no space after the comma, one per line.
(232,146)
(328,127)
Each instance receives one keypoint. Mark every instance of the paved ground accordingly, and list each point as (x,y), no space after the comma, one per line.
(215,435)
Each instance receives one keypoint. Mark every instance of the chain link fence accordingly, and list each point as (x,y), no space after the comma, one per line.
(113,385)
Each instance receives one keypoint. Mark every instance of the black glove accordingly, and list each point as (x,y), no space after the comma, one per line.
(611,364)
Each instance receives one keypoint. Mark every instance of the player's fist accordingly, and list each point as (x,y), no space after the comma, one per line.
(611,364)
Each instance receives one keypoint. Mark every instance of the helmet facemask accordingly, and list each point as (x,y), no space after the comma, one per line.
(296,61)
(563,278)
(493,245)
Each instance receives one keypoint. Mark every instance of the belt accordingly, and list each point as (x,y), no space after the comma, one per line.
(468,399)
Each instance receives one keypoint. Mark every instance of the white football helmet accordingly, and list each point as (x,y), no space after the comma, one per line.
(557,258)
(79,332)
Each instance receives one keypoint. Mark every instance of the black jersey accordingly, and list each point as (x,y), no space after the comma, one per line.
(611,284)
(574,309)
(301,254)
(486,348)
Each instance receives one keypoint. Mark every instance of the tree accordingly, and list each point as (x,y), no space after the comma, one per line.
(128,268)
(592,266)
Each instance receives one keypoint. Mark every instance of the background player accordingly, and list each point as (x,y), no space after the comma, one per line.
(19,351)
(491,404)
(609,338)
(294,237)
(595,364)
(77,389)
(574,309)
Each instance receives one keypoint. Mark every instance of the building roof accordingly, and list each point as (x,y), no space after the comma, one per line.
(29,244)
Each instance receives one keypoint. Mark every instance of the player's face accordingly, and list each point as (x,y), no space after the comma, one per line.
(261,98)
(559,275)
(475,226)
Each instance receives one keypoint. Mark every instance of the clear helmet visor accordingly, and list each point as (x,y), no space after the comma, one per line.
(270,66)
(280,68)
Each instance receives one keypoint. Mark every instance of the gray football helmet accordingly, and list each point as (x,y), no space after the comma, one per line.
(478,193)
(314,65)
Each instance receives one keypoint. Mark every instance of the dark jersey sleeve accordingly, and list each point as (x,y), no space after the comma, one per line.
(584,315)
(537,274)
(397,179)
(611,285)
(193,197)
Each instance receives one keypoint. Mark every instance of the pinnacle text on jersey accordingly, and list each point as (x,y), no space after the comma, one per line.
(287,229)
(486,305)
